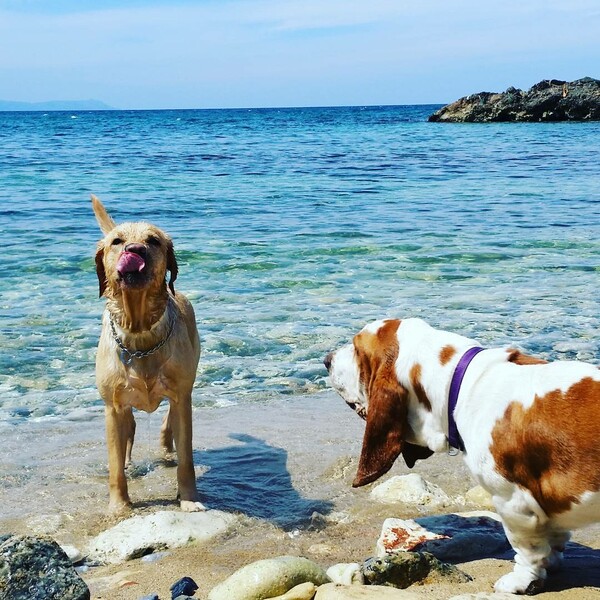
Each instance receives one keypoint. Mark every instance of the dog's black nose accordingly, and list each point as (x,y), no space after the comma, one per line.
(136,248)
(327,361)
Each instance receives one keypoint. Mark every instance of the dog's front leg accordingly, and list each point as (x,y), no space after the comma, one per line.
(118,438)
(180,417)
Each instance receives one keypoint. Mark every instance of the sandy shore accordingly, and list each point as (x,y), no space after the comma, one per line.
(285,466)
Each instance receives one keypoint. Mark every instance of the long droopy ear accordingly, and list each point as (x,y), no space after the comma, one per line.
(100,270)
(172,265)
(104,219)
(387,412)
(384,434)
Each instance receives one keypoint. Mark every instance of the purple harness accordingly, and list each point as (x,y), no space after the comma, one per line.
(454,438)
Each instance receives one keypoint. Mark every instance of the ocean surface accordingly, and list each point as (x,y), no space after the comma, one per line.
(293,228)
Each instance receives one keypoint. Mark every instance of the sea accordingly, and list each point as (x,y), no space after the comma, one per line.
(293,228)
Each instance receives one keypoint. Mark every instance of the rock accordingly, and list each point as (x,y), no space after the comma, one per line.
(453,537)
(73,554)
(150,597)
(37,569)
(142,535)
(477,495)
(335,591)
(403,569)
(268,578)
(304,591)
(186,586)
(485,596)
(399,535)
(346,574)
(548,100)
(411,489)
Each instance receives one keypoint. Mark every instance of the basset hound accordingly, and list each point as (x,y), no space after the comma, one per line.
(529,429)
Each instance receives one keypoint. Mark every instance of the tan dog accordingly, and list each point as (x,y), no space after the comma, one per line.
(149,349)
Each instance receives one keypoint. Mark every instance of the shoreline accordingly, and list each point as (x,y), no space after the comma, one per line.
(308,448)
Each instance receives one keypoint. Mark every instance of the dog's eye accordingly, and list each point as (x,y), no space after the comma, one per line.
(117,241)
(153,241)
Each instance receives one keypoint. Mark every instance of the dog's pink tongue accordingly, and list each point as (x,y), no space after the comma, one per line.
(130,262)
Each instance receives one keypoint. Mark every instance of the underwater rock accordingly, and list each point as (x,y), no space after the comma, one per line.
(34,568)
(403,569)
(141,535)
(411,489)
(268,578)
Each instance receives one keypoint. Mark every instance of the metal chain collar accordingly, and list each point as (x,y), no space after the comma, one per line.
(127,355)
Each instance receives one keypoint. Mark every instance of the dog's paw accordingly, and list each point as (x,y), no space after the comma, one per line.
(519,583)
(119,508)
(191,506)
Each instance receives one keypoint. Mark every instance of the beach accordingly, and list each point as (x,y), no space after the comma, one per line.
(308,448)
(292,229)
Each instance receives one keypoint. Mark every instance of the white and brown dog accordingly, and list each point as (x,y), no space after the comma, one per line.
(149,349)
(529,429)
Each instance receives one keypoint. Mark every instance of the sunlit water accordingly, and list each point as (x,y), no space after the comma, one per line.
(292,229)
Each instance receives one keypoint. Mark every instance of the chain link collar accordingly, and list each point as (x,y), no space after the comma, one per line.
(127,355)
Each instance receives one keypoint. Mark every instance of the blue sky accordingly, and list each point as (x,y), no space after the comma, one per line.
(251,53)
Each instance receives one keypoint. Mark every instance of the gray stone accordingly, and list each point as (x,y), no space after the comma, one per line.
(142,535)
(410,489)
(38,569)
(403,569)
(548,100)
(268,578)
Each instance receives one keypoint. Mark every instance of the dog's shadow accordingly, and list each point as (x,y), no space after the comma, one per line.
(478,537)
(252,478)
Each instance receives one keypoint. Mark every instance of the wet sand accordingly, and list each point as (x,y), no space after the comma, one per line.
(286,467)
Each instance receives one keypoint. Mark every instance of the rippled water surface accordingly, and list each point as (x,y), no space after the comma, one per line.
(292,229)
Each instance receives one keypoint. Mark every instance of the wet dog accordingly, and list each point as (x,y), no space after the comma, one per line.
(148,351)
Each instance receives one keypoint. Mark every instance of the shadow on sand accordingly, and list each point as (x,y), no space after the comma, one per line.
(479,537)
(252,478)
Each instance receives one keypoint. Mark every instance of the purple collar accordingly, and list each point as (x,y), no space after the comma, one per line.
(454,438)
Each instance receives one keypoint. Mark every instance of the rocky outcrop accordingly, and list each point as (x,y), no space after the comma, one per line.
(33,568)
(549,100)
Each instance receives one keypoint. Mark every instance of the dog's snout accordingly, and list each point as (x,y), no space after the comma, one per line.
(328,360)
(136,248)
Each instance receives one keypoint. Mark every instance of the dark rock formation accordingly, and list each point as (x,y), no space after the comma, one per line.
(405,568)
(548,100)
(37,569)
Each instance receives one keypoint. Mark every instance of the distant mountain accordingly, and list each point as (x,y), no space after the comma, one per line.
(55,105)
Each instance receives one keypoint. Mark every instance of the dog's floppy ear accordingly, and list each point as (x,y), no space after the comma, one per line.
(171,265)
(386,427)
(412,453)
(100,271)
(104,219)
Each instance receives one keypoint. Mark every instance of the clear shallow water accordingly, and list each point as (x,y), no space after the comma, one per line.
(292,229)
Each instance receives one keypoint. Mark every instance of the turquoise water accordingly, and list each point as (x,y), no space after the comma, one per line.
(293,228)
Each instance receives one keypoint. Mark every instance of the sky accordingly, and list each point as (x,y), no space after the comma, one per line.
(145,54)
